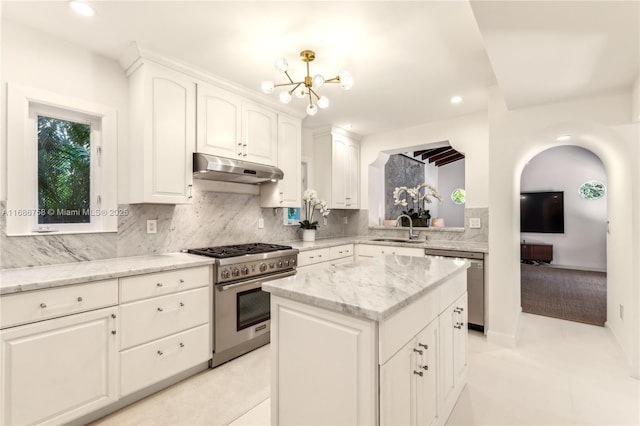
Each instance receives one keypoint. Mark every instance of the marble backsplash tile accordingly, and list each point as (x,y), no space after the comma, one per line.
(213,219)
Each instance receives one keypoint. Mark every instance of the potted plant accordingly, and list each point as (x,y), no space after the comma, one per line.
(311,203)
(417,212)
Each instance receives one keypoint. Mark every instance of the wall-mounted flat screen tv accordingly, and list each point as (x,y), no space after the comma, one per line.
(542,212)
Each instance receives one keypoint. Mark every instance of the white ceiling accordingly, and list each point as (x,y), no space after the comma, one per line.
(407,58)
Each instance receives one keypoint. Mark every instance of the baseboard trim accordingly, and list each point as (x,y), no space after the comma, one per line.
(502,339)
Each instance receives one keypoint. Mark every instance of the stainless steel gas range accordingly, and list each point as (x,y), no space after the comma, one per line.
(241,310)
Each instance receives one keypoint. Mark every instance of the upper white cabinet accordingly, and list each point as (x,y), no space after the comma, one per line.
(337,157)
(230,126)
(162,134)
(287,192)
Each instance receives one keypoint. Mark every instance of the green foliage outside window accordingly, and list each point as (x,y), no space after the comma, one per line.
(458,196)
(64,171)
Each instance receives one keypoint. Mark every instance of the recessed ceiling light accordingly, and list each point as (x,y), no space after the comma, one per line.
(456,99)
(563,138)
(81,8)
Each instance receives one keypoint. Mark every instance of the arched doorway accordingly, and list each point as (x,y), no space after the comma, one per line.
(563,221)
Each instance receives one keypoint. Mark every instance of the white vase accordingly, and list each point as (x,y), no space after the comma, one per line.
(308,235)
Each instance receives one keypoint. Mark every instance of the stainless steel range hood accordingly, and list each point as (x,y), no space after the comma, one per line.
(210,167)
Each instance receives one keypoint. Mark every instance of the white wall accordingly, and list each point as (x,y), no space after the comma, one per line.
(431,176)
(468,134)
(450,177)
(36,59)
(516,137)
(565,168)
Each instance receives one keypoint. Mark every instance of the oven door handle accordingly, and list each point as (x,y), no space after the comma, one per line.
(257,280)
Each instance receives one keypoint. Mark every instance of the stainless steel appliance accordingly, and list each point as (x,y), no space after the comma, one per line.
(241,310)
(475,284)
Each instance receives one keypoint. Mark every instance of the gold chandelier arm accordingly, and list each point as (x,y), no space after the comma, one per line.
(310,98)
(297,83)
(314,92)
(335,79)
(289,77)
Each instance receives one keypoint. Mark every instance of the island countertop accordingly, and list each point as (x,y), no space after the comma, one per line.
(372,289)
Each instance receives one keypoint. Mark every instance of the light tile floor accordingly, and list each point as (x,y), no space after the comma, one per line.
(561,373)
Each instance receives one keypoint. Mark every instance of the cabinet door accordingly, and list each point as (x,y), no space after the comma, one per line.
(398,388)
(352,176)
(172,99)
(447,322)
(338,175)
(287,192)
(58,370)
(259,134)
(427,384)
(219,128)
(460,338)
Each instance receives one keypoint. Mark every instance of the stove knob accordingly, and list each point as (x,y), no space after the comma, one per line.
(280,264)
(286,263)
(292,262)
(244,270)
(272,265)
(263,267)
(235,272)
(224,274)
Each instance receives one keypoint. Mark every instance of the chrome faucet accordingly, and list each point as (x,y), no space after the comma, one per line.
(411,234)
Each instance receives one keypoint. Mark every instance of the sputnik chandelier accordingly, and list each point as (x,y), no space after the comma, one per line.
(308,86)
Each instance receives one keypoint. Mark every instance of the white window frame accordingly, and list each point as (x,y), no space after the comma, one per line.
(24,104)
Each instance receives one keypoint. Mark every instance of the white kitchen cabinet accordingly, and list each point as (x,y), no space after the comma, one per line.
(337,171)
(373,250)
(324,257)
(58,370)
(162,134)
(286,192)
(232,127)
(453,350)
(165,325)
(408,381)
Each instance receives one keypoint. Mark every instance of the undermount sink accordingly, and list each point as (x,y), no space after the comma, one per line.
(398,240)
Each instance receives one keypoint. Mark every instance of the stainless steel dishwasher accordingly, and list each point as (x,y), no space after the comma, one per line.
(475,283)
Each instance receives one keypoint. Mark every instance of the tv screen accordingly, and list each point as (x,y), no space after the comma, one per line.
(542,212)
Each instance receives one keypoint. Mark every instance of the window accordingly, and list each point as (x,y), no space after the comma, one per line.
(61,164)
(458,196)
(592,190)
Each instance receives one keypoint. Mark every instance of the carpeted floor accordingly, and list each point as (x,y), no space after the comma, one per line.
(564,293)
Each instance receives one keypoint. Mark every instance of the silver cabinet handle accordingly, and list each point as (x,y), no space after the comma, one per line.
(181,345)
(417,351)
(181,280)
(422,345)
(113,316)
(458,325)
(160,309)
(159,284)
(160,353)
(43,305)
(419,373)
(113,332)
(80,299)
(425,367)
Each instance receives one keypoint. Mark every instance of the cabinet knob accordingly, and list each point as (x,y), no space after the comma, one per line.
(425,367)
(80,299)
(159,285)
(181,304)
(181,281)
(113,332)
(458,325)
(160,309)
(160,353)
(181,345)
(113,316)
(43,305)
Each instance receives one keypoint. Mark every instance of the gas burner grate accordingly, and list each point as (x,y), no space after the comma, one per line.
(223,252)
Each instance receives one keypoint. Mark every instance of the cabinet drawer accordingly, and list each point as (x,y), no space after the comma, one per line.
(151,319)
(151,285)
(338,252)
(314,256)
(150,363)
(39,305)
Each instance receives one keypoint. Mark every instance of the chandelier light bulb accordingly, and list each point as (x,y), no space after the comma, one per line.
(300,92)
(268,87)
(312,110)
(281,65)
(346,81)
(285,97)
(318,81)
(323,102)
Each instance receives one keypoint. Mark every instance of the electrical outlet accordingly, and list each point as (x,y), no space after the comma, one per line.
(474,222)
(152,226)
(346,220)
(261,223)
(621,311)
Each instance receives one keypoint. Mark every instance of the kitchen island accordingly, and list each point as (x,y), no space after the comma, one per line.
(380,341)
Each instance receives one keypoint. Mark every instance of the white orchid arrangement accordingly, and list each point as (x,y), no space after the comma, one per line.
(311,203)
(418,201)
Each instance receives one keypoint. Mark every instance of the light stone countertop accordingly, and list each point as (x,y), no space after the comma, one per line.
(41,277)
(373,288)
(432,244)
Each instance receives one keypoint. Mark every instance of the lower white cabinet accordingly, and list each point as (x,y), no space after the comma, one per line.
(408,381)
(453,351)
(57,370)
(373,250)
(336,255)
